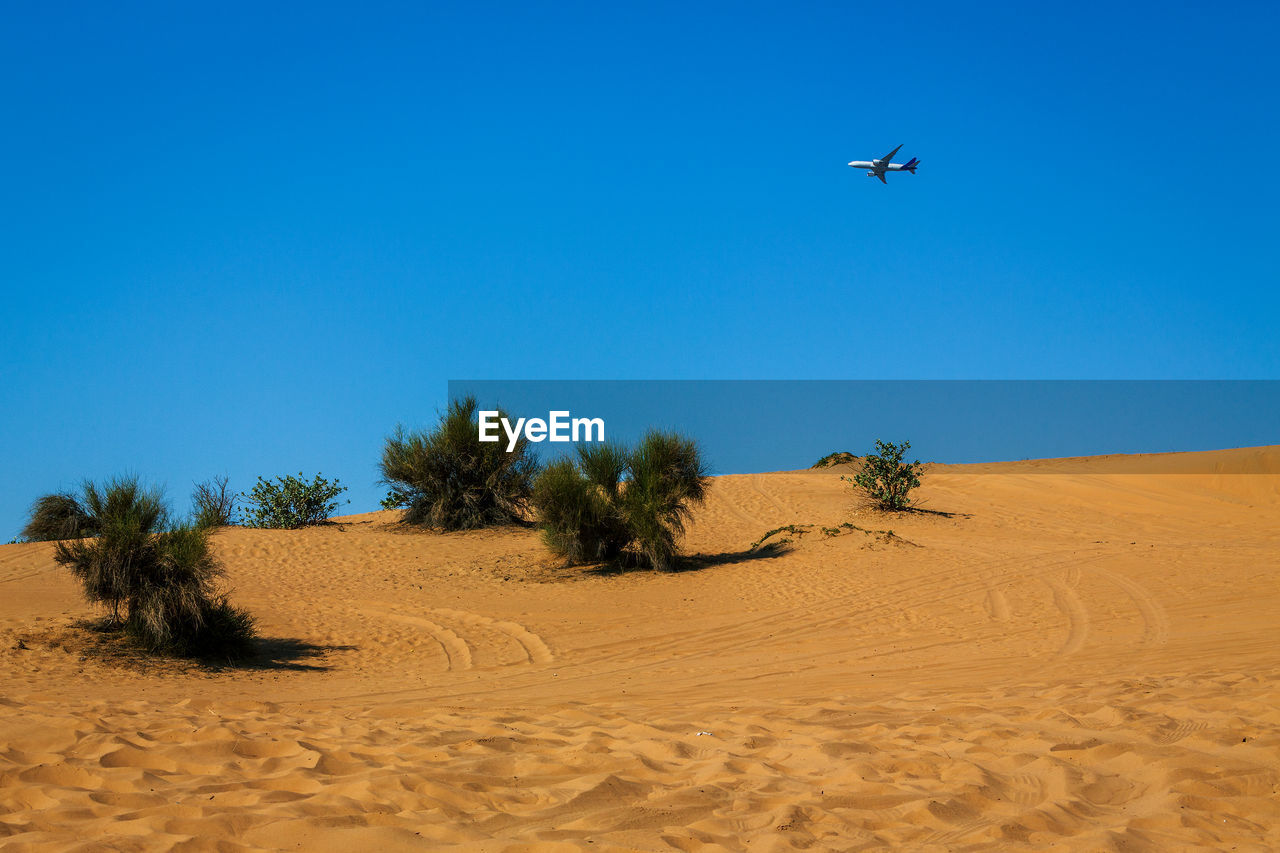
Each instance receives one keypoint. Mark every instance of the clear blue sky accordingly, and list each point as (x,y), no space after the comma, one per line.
(250,238)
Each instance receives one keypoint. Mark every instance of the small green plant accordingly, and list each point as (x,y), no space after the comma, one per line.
(793,529)
(624,505)
(291,502)
(840,457)
(214,504)
(58,516)
(157,578)
(845,528)
(885,478)
(395,499)
(448,479)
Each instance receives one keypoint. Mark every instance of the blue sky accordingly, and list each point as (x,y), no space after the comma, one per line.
(250,240)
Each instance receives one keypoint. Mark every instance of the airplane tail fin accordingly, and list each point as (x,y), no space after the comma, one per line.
(911,164)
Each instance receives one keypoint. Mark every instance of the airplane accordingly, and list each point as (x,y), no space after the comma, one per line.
(879,167)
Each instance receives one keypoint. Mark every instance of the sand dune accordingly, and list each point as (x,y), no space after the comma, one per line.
(1056,655)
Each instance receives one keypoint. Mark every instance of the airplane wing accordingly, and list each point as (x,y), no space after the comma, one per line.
(886,158)
(880,175)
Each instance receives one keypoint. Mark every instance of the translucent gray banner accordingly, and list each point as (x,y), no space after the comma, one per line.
(771,425)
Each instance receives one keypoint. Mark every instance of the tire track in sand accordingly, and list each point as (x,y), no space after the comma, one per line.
(535,648)
(455,648)
(1065,597)
(851,607)
(1155,622)
(1066,600)
(7,562)
(27,576)
(742,515)
(779,504)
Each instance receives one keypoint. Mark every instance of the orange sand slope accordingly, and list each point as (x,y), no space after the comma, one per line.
(1053,657)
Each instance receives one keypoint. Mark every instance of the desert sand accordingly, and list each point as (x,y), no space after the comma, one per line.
(1054,656)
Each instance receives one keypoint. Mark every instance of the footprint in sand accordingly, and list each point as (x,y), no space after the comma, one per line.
(998,604)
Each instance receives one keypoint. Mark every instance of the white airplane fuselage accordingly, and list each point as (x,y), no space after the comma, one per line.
(875,166)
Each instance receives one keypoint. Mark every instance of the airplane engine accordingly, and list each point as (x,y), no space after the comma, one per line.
(871,174)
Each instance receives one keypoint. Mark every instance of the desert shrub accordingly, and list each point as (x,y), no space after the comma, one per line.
(57,516)
(840,457)
(885,478)
(125,517)
(158,579)
(291,502)
(615,504)
(174,605)
(579,507)
(448,479)
(214,504)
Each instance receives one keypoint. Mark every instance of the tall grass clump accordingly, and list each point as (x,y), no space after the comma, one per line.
(885,478)
(57,516)
(448,479)
(158,578)
(213,503)
(287,503)
(614,504)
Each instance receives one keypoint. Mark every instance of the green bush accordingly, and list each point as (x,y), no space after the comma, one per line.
(885,478)
(448,479)
(291,502)
(57,516)
(579,506)
(125,518)
(158,579)
(214,504)
(614,504)
(840,457)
